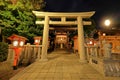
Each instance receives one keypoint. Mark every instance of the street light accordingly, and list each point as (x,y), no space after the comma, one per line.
(107,22)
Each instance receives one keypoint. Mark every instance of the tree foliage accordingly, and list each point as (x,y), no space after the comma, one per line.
(3,51)
(16,17)
(88,29)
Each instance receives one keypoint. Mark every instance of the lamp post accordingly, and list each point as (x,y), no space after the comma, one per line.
(17,43)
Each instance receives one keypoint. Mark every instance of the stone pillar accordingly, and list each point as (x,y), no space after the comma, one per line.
(35,50)
(45,39)
(27,54)
(96,51)
(81,47)
(107,50)
(88,53)
(10,57)
(39,50)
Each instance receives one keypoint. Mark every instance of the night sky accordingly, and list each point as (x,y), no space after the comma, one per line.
(104,8)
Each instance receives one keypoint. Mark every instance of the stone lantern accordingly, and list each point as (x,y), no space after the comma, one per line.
(37,40)
(17,43)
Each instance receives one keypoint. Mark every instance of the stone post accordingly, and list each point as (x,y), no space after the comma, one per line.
(35,51)
(26,54)
(107,49)
(38,54)
(88,53)
(45,39)
(96,51)
(10,57)
(81,47)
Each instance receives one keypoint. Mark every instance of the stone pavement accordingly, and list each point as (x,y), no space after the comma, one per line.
(6,70)
(61,65)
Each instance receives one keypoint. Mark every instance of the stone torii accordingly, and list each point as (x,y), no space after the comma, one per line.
(46,20)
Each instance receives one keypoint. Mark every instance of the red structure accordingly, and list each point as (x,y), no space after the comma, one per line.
(17,42)
(37,40)
(75,39)
(61,40)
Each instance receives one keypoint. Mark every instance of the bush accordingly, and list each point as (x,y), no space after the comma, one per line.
(3,51)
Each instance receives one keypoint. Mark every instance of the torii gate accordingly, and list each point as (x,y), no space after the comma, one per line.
(46,20)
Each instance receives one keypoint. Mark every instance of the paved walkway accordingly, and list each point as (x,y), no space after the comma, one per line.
(61,66)
(6,71)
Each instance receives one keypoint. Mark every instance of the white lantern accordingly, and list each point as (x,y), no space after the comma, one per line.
(15,43)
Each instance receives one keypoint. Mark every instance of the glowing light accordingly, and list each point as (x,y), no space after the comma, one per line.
(21,43)
(104,34)
(107,22)
(15,43)
(91,42)
(37,41)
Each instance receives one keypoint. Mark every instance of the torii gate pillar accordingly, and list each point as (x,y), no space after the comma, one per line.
(81,47)
(45,39)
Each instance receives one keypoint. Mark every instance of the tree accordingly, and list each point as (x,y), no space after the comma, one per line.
(3,51)
(16,17)
(88,29)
